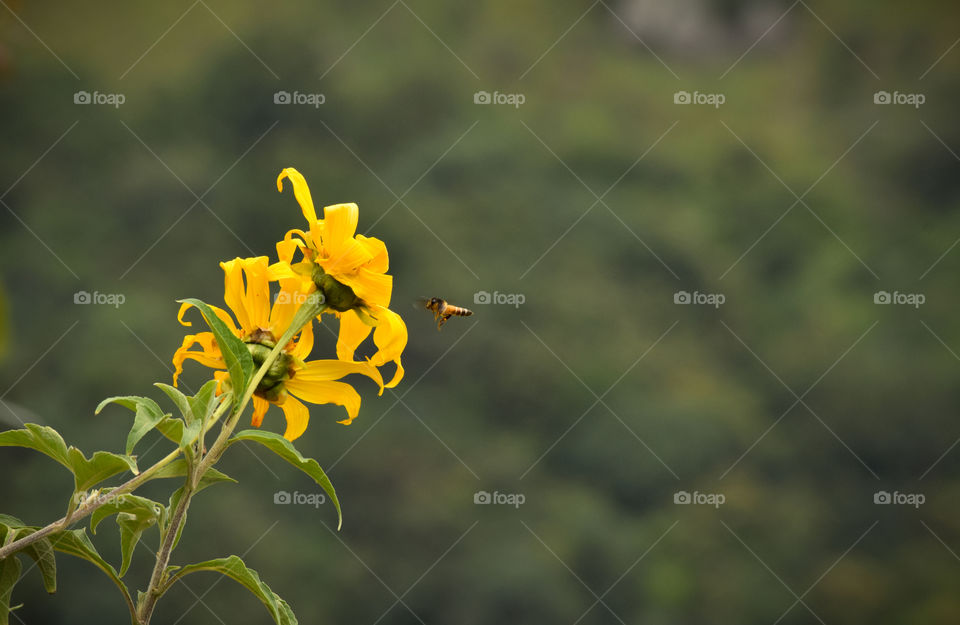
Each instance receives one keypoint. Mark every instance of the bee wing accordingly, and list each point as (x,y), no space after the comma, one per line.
(421,302)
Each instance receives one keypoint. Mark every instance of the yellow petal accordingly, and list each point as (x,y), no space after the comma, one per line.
(373,288)
(390,336)
(297,417)
(209,354)
(304,344)
(258,291)
(219,312)
(353,331)
(302,193)
(326,370)
(380,260)
(344,259)
(321,392)
(339,225)
(233,293)
(260,406)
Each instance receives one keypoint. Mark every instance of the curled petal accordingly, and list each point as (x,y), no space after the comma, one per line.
(390,336)
(219,312)
(297,417)
(353,331)
(302,192)
(321,392)
(260,406)
(327,370)
(209,354)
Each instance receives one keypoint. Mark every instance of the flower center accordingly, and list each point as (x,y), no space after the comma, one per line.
(260,343)
(337,296)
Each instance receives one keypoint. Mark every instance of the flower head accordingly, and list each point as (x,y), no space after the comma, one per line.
(349,269)
(259,324)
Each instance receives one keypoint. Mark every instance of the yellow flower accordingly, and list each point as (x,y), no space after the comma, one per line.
(350,270)
(259,325)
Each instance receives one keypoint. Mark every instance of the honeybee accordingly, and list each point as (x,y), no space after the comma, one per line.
(443,311)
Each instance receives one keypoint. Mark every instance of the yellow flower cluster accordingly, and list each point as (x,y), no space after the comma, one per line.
(349,271)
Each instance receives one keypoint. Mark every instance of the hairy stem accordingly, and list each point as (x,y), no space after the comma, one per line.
(163,555)
(89,506)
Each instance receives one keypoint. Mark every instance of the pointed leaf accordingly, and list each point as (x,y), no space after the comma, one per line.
(285,449)
(103,464)
(148,414)
(234,568)
(9,575)
(76,543)
(235,353)
(172,428)
(41,552)
(41,438)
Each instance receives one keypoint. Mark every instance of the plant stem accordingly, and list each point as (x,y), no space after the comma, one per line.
(155,590)
(163,555)
(93,503)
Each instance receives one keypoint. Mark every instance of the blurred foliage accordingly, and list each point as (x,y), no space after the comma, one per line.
(113,208)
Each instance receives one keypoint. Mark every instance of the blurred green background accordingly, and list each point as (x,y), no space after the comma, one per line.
(599,198)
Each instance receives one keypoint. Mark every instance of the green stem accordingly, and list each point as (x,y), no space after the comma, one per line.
(157,586)
(88,507)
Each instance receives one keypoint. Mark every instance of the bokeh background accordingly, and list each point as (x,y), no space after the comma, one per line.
(598,199)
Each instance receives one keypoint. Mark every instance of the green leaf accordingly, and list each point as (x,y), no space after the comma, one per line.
(211,477)
(193,423)
(41,438)
(76,543)
(134,515)
(102,465)
(205,401)
(9,575)
(87,472)
(41,552)
(178,468)
(234,568)
(148,414)
(285,449)
(172,428)
(235,353)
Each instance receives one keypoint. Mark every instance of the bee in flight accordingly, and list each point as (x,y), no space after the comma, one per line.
(442,310)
